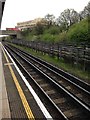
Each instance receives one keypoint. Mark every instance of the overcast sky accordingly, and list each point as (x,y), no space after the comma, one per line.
(24,10)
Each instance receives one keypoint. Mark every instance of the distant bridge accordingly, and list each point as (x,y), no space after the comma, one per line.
(7,32)
(16,34)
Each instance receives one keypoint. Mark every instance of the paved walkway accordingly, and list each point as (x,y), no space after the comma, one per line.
(4,106)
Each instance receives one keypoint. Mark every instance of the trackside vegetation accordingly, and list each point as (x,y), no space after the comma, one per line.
(78,32)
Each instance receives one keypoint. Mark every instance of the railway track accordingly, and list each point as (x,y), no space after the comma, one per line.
(71,101)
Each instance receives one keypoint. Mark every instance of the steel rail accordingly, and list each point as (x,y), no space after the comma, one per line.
(49,68)
(73,79)
(61,87)
(86,98)
(63,117)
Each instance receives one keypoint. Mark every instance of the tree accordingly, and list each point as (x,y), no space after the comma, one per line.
(39,28)
(25,32)
(86,12)
(50,19)
(62,23)
(68,17)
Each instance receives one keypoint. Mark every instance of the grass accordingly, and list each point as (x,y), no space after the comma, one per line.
(59,63)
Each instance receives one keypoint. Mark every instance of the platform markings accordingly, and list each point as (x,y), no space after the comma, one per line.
(6,64)
(37,99)
(20,91)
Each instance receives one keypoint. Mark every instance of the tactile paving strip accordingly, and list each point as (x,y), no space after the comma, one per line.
(16,107)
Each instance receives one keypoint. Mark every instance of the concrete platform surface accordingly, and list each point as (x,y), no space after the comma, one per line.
(4,106)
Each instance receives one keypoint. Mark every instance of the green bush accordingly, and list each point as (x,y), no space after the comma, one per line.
(79,32)
(48,37)
(54,30)
(63,36)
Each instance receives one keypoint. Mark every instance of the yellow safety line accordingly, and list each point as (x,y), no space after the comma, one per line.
(20,91)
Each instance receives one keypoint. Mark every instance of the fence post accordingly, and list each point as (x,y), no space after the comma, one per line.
(84,58)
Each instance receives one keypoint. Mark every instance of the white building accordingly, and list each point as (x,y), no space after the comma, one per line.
(31,23)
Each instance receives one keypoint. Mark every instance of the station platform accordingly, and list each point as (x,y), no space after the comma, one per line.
(17,100)
(4,104)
